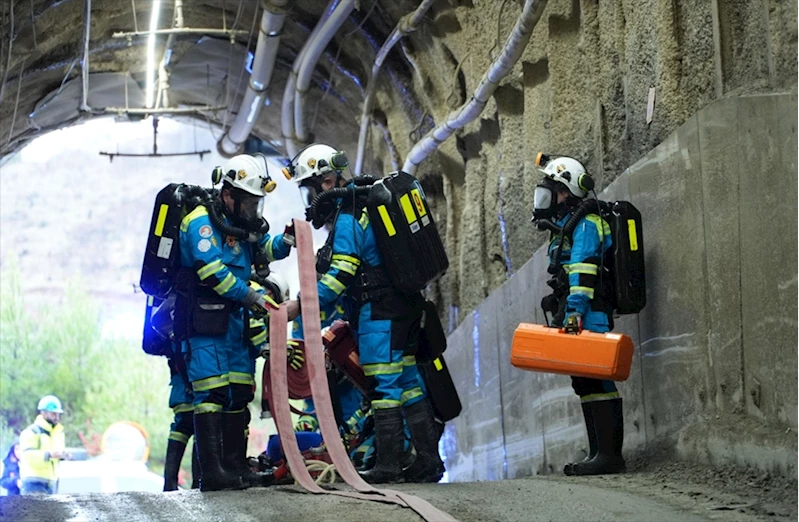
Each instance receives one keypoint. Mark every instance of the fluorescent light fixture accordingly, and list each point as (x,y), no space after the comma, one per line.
(151,54)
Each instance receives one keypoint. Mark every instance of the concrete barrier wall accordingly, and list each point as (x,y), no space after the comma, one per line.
(715,367)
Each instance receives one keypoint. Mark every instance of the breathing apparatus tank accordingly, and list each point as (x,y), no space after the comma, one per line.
(162,254)
(406,233)
(625,258)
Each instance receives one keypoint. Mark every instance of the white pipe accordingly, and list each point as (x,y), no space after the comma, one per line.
(84,68)
(499,68)
(150,78)
(406,25)
(287,108)
(314,51)
(263,64)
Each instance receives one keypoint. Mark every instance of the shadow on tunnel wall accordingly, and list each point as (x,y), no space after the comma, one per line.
(714,376)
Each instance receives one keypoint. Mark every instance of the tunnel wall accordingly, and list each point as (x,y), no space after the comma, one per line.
(582,87)
(714,375)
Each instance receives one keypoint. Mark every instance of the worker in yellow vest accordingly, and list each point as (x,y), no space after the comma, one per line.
(42,447)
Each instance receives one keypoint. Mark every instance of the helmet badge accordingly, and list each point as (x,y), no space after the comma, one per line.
(312,163)
(241,174)
(560,168)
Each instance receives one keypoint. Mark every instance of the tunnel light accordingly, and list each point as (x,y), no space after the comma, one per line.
(151,54)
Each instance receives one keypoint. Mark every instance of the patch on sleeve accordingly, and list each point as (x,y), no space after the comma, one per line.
(214,242)
(203,245)
(205,231)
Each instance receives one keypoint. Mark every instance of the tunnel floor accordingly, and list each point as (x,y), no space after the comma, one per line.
(675,492)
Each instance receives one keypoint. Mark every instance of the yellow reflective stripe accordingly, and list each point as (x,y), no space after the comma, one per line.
(217,381)
(601,225)
(247,430)
(322,315)
(437,363)
(178,436)
(210,269)
(159,223)
(364,219)
(344,266)
(583,268)
(390,230)
(382,369)
(268,249)
(600,397)
(582,290)
(207,407)
(259,338)
(386,403)
(410,394)
(409,360)
(349,259)
(226,284)
(241,378)
(191,216)
(183,407)
(333,283)
(407,208)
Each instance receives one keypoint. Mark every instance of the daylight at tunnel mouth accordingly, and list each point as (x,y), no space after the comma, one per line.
(531,232)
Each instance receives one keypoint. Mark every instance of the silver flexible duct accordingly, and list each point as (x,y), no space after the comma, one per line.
(406,25)
(263,65)
(499,68)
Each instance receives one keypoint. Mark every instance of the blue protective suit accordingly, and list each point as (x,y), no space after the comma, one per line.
(181,401)
(581,259)
(221,368)
(387,327)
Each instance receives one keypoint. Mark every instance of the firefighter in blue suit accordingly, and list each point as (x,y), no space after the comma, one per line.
(582,300)
(386,320)
(218,242)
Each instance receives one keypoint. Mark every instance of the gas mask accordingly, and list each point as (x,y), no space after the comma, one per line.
(247,210)
(545,199)
(322,212)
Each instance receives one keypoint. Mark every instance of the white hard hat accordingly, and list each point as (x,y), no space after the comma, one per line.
(247,173)
(282,285)
(50,403)
(567,171)
(317,160)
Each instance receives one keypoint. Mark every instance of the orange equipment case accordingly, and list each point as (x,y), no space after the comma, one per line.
(589,354)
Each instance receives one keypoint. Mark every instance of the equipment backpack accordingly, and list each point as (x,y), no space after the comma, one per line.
(162,259)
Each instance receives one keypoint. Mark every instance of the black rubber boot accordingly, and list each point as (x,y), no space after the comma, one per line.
(424,432)
(208,434)
(588,415)
(389,445)
(174,454)
(609,424)
(195,468)
(234,450)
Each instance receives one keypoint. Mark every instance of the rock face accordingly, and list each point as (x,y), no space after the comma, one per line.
(582,87)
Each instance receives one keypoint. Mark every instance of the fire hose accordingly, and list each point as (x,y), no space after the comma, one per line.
(314,359)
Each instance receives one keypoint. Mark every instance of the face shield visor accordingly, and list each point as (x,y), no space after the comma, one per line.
(248,210)
(545,199)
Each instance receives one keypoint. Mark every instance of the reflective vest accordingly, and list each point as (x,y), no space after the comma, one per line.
(36,442)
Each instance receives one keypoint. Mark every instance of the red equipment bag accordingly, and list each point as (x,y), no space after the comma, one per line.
(342,349)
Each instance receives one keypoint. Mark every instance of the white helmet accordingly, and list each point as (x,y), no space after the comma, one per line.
(317,160)
(247,173)
(282,285)
(50,403)
(567,171)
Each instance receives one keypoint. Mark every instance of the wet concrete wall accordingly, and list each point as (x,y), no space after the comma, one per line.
(714,375)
